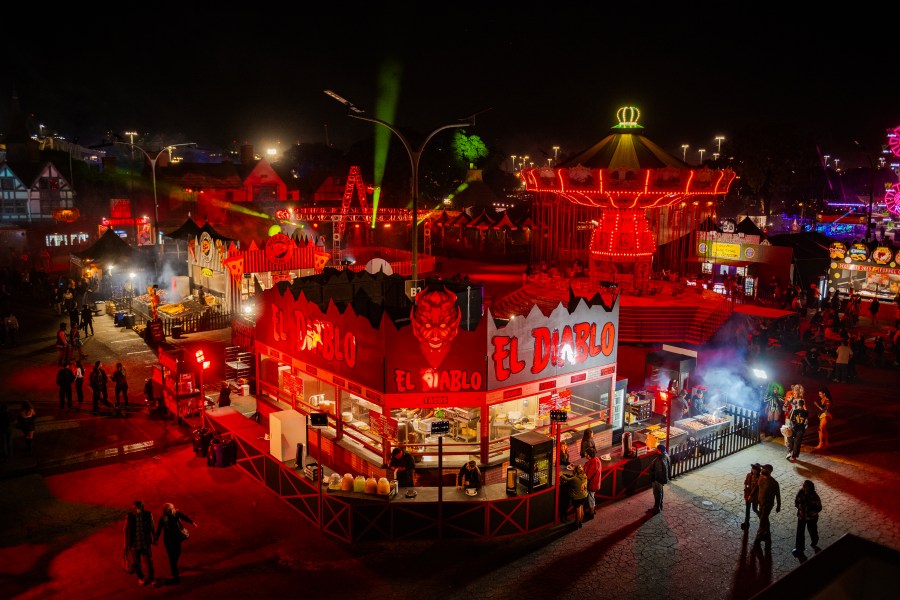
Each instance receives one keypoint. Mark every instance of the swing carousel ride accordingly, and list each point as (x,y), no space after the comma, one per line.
(593,210)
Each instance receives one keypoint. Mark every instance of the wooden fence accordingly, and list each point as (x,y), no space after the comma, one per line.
(697,452)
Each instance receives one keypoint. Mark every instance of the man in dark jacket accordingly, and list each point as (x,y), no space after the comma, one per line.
(768,497)
(809,505)
(87,320)
(404,466)
(64,379)
(139,540)
(659,476)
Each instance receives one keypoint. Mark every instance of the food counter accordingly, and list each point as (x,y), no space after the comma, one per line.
(655,434)
(704,425)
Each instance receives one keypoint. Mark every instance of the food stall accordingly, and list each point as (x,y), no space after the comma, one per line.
(181,379)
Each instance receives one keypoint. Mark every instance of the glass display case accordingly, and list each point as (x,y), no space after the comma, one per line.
(531,454)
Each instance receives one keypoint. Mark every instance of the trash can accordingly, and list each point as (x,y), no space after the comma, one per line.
(128,321)
(202,440)
(217,456)
(119,318)
(177,330)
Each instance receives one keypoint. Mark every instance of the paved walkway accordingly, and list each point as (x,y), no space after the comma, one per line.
(60,522)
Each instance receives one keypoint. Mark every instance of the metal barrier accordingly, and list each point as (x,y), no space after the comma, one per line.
(206,322)
(697,452)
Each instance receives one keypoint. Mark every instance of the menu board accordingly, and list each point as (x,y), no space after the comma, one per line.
(156,331)
(555,401)
(382,425)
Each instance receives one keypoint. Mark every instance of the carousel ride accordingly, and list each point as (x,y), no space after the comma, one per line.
(593,210)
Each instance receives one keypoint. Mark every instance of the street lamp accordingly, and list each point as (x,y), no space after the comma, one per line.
(555,154)
(715,156)
(684,148)
(701,151)
(414,156)
(826,157)
(513,162)
(153,160)
(719,140)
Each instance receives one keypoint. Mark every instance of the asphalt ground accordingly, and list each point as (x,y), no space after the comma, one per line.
(62,508)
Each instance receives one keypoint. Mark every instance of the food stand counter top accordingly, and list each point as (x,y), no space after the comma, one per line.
(703,425)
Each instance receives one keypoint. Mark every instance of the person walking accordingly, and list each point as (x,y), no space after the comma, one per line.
(659,477)
(75,341)
(173,534)
(79,382)
(121,382)
(99,385)
(25,422)
(87,320)
(751,490)
(578,492)
(768,497)
(809,505)
(799,420)
(64,380)
(824,406)
(62,345)
(139,541)
(593,469)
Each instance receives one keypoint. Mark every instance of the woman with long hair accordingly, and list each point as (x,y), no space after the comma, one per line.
(587,441)
(824,406)
(174,534)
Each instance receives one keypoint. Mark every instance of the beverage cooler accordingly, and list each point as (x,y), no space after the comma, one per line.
(750,286)
(532,454)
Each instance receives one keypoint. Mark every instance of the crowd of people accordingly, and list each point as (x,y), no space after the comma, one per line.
(787,414)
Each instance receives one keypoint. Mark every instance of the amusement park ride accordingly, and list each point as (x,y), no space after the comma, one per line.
(355,188)
(611,186)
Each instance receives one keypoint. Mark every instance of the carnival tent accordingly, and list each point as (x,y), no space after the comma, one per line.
(110,249)
(748,227)
(188,230)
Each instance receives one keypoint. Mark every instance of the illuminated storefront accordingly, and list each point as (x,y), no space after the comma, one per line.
(873,274)
(383,385)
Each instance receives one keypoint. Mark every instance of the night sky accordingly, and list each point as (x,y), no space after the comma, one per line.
(552,74)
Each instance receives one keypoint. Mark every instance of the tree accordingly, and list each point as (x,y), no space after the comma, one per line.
(468,149)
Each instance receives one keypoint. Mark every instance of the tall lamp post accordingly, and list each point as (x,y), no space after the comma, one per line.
(872,168)
(414,156)
(684,148)
(153,160)
(701,151)
(719,139)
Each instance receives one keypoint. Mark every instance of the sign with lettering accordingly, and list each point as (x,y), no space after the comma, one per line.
(434,355)
(440,427)
(157,334)
(382,425)
(342,343)
(539,347)
(559,416)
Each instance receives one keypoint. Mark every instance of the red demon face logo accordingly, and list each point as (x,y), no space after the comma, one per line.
(435,320)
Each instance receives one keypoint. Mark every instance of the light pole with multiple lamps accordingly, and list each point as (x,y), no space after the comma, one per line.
(719,139)
(153,160)
(355,112)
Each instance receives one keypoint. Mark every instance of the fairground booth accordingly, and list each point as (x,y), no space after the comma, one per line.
(378,357)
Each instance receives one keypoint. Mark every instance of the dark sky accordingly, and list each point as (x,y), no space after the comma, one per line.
(553,74)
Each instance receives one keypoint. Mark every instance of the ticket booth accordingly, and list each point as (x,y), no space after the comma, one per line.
(182,385)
